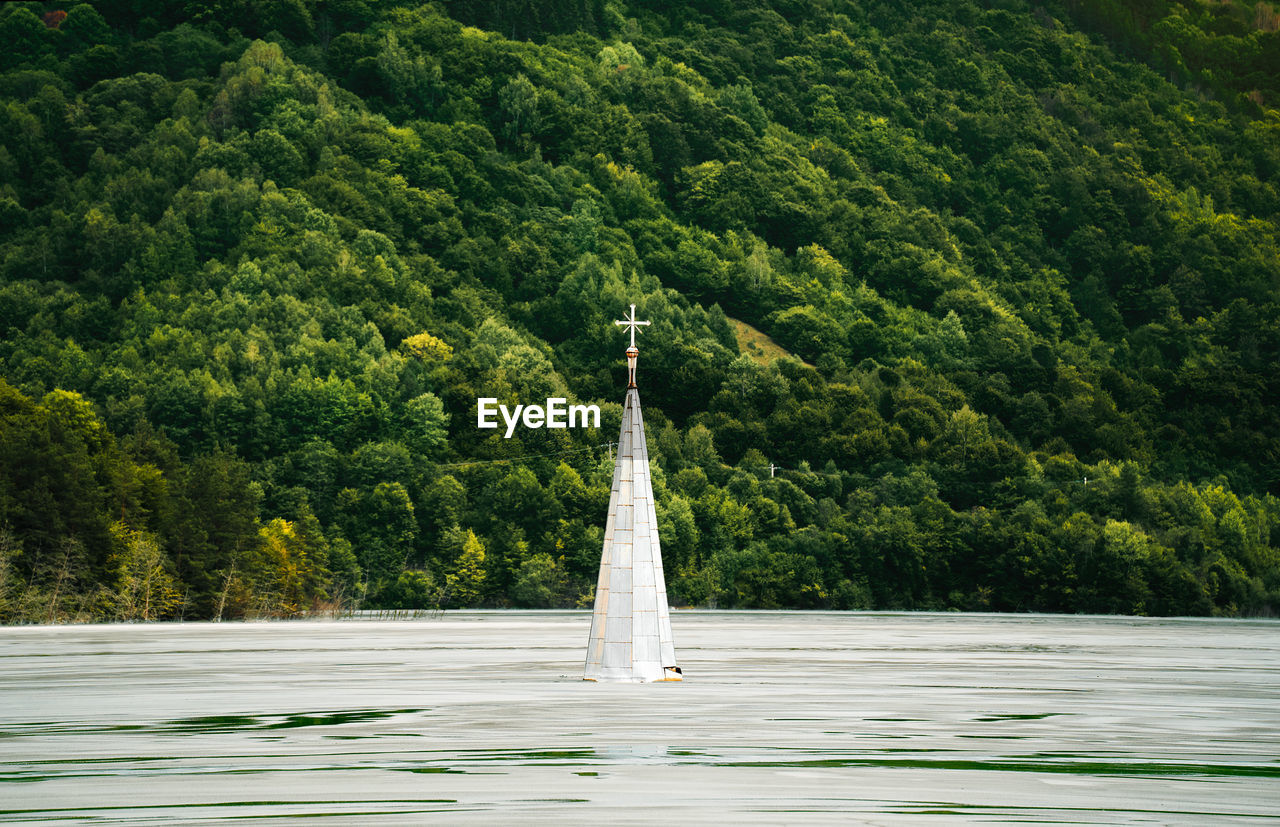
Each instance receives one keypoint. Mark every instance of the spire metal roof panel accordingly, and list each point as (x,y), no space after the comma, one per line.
(631,624)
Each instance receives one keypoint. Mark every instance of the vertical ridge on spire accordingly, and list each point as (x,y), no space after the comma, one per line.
(631,624)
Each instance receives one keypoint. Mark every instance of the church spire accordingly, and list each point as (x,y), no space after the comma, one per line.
(631,624)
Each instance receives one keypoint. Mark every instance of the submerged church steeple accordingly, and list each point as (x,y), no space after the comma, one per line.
(631,624)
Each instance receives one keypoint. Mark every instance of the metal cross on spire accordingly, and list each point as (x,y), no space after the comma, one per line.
(633,351)
(633,324)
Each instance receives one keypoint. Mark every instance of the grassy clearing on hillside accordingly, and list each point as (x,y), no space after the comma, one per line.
(757,345)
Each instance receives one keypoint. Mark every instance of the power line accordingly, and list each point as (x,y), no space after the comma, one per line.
(524,457)
(773,470)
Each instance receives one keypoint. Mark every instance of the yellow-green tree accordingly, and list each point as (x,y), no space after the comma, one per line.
(466,581)
(280,569)
(144,587)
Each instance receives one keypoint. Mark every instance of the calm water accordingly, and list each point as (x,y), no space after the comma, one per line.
(783,717)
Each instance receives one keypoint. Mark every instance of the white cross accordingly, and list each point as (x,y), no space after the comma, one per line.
(633,324)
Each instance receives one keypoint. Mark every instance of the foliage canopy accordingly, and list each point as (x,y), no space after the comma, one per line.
(1017,268)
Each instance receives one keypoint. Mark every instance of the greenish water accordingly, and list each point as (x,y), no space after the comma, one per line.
(482,717)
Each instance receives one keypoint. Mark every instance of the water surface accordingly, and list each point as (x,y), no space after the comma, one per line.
(783,717)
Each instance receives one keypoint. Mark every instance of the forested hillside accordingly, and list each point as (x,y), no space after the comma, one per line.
(995,287)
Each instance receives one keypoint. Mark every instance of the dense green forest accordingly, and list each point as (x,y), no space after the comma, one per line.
(994,286)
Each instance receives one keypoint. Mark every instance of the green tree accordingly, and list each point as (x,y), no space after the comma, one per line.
(426,425)
(539,583)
